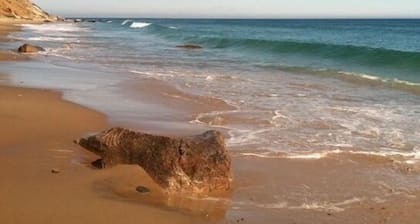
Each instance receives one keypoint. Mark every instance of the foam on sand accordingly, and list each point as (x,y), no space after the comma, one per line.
(409,157)
(315,205)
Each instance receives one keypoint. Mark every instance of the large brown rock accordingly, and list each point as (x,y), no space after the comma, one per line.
(27,48)
(197,164)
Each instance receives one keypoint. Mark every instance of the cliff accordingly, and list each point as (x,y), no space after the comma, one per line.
(23,10)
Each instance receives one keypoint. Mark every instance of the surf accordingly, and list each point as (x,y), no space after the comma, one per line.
(139,25)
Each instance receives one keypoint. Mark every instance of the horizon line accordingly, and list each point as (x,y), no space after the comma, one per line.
(245,18)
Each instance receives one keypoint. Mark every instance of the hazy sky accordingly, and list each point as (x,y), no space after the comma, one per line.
(234,8)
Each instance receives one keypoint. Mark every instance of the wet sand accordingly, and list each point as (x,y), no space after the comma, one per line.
(8,54)
(5,28)
(181,108)
(337,189)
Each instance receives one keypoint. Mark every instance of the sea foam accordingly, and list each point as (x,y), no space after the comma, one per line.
(53,27)
(315,205)
(139,25)
(126,21)
(411,157)
(47,39)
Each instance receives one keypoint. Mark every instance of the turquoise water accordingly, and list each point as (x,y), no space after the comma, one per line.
(388,49)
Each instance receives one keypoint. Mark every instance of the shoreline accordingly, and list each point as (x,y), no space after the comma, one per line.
(111,192)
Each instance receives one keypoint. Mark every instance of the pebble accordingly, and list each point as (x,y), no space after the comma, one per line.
(55,171)
(142,189)
(98,164)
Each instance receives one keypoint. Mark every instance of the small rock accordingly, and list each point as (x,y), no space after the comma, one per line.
(27,48)
(142,189)
(55,171)
(99,164)
(190,46)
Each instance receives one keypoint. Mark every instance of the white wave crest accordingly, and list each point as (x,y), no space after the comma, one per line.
(139,25)
(126,21)
(53,27)
(381,79)
(153,74)
(47,39)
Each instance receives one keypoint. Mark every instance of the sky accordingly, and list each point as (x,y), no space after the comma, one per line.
(234,8)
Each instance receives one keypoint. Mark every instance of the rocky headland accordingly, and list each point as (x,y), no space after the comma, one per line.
(15,10)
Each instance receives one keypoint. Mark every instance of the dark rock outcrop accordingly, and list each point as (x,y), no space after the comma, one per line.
(197,164)
(190,46)
(27,48)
